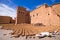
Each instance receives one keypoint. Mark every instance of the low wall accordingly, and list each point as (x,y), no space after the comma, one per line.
(5,19)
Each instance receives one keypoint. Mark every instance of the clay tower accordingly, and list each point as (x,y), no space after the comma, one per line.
(22,15)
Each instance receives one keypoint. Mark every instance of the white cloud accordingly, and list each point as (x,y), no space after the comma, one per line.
(38,6)
(7,11)
(27,9)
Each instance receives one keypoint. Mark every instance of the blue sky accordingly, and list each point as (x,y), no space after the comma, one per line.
(8,7)
(30,4)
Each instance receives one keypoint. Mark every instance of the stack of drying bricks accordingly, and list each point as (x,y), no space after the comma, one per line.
(28,29)
(24,29)
(31,30)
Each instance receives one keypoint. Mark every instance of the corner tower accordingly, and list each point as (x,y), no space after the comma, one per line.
(22,15)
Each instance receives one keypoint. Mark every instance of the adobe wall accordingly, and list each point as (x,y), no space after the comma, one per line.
(56,8)
(23,16)
(4,19)
(45,15)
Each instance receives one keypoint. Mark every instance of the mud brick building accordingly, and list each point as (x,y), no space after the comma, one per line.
(22,16)
(5,20)
(46,15)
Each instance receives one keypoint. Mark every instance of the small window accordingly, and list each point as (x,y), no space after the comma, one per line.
(21,12)
(48,14)
(18,11)
(37,14)
(33,15)
(58,15)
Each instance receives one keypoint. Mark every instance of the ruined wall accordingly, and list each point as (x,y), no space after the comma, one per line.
(56,8)
(45,15)
(5,19)
(23,15)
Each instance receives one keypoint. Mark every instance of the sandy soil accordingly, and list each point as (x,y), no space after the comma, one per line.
(5,35)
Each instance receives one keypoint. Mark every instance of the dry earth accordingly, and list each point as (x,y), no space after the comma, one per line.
(4,35)
(21,30)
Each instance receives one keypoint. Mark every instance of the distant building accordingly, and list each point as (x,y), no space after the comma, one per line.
(6,20)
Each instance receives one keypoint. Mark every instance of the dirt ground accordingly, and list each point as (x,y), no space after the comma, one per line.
(26,29)
(4,35)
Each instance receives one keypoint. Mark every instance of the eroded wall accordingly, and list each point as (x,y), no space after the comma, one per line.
(45,15)
(23,15)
